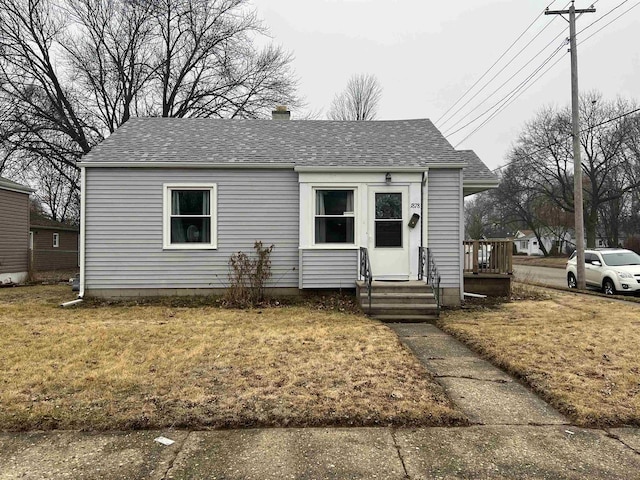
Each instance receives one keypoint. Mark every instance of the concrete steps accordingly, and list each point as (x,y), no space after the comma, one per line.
(408,301)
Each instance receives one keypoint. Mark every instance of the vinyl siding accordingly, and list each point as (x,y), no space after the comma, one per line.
(329,268)
(14,231)
(445,241)
(124,226)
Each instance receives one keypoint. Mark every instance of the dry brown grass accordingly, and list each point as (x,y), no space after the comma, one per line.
(580,353)
(122,367)
(536,261)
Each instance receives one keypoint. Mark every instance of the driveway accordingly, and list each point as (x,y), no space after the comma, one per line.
(554,277)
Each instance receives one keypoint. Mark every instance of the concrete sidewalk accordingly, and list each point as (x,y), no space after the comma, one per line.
(516,435)
(490,452)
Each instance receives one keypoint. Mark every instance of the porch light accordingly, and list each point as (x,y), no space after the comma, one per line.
(387,178)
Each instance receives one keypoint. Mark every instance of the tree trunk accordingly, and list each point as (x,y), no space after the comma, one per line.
(591,226)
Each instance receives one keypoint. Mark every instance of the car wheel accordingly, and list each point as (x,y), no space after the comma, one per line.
(571,281)
(608,287)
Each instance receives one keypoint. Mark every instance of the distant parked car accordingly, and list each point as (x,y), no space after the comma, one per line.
(611,269)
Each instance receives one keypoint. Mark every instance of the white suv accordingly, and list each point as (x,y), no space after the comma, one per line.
(612,269)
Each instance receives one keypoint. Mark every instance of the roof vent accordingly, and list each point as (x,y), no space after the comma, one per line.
(281,113)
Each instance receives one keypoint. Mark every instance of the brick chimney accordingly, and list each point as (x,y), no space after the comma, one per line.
(281,113)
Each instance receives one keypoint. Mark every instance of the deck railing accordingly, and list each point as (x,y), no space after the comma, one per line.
(488,256)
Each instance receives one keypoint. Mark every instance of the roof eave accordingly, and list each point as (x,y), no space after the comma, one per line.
(470,187)
(265,165)
(13,187)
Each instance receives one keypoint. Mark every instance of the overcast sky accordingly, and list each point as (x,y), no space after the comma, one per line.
(426,54)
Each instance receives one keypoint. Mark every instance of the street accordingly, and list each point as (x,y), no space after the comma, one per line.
(554,277)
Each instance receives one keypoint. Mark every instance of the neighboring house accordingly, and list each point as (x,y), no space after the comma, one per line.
(528,243)
(54,245)
(167,201)
(14,231)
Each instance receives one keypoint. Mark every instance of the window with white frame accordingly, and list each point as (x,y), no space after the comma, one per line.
(334,220)
(190,216)
(56,240)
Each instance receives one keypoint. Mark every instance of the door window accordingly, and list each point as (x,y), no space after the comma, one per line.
(388,221)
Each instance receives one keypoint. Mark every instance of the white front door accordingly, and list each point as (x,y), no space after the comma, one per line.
(388,232)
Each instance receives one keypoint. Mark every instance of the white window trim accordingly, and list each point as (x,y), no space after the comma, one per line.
(166,216)
(335,246)
(56,240)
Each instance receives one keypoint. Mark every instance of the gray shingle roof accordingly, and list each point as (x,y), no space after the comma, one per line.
(397,143)
(476,167)
(36,220)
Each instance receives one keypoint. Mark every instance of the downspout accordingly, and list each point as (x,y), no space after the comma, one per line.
(83,207)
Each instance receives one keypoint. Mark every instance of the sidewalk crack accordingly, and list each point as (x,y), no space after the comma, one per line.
(468,377)
(616,437)
(175,457)
(395,444)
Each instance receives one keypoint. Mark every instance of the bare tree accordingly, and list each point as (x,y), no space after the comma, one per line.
(359,101)
(72,71)
(47,119)
(518,194)
(544,151)
(208,65)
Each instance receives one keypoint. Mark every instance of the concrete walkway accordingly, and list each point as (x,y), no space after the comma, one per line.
(516,435)
(486,394)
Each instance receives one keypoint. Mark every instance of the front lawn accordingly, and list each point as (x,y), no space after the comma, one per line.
(539,261)
(581,353)
(152,366)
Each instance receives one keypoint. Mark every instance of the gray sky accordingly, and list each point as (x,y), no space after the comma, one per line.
(426,54)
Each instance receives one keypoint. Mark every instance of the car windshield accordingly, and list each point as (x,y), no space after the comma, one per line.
(619,259)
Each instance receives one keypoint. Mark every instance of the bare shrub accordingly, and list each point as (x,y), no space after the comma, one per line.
(248,276)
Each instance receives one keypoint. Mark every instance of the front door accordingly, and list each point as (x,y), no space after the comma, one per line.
(388,232)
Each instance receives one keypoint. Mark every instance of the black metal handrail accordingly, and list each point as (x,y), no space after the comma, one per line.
(427,262)
(365,271)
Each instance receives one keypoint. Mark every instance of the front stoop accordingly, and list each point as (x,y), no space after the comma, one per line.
(408,301)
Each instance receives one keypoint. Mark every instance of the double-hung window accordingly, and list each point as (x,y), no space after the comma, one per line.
(334,221)
(190,216)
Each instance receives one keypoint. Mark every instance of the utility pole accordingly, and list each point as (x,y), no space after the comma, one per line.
(575,123)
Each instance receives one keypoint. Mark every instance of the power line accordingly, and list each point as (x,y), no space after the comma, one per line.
(498,73)
(503,84)
(602,17)
(494,64)
(505,106)
(509,102)
(557,142)
(547,60)
(609,23)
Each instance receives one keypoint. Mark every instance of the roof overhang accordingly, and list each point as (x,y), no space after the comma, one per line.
(14,187)
(226,166)
(470,187)
(275,166)
(51,227)
(377,168)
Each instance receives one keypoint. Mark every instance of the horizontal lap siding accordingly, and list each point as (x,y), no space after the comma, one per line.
(445,197)
(329,268)
(47,257)
(14,231)
(124,227)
